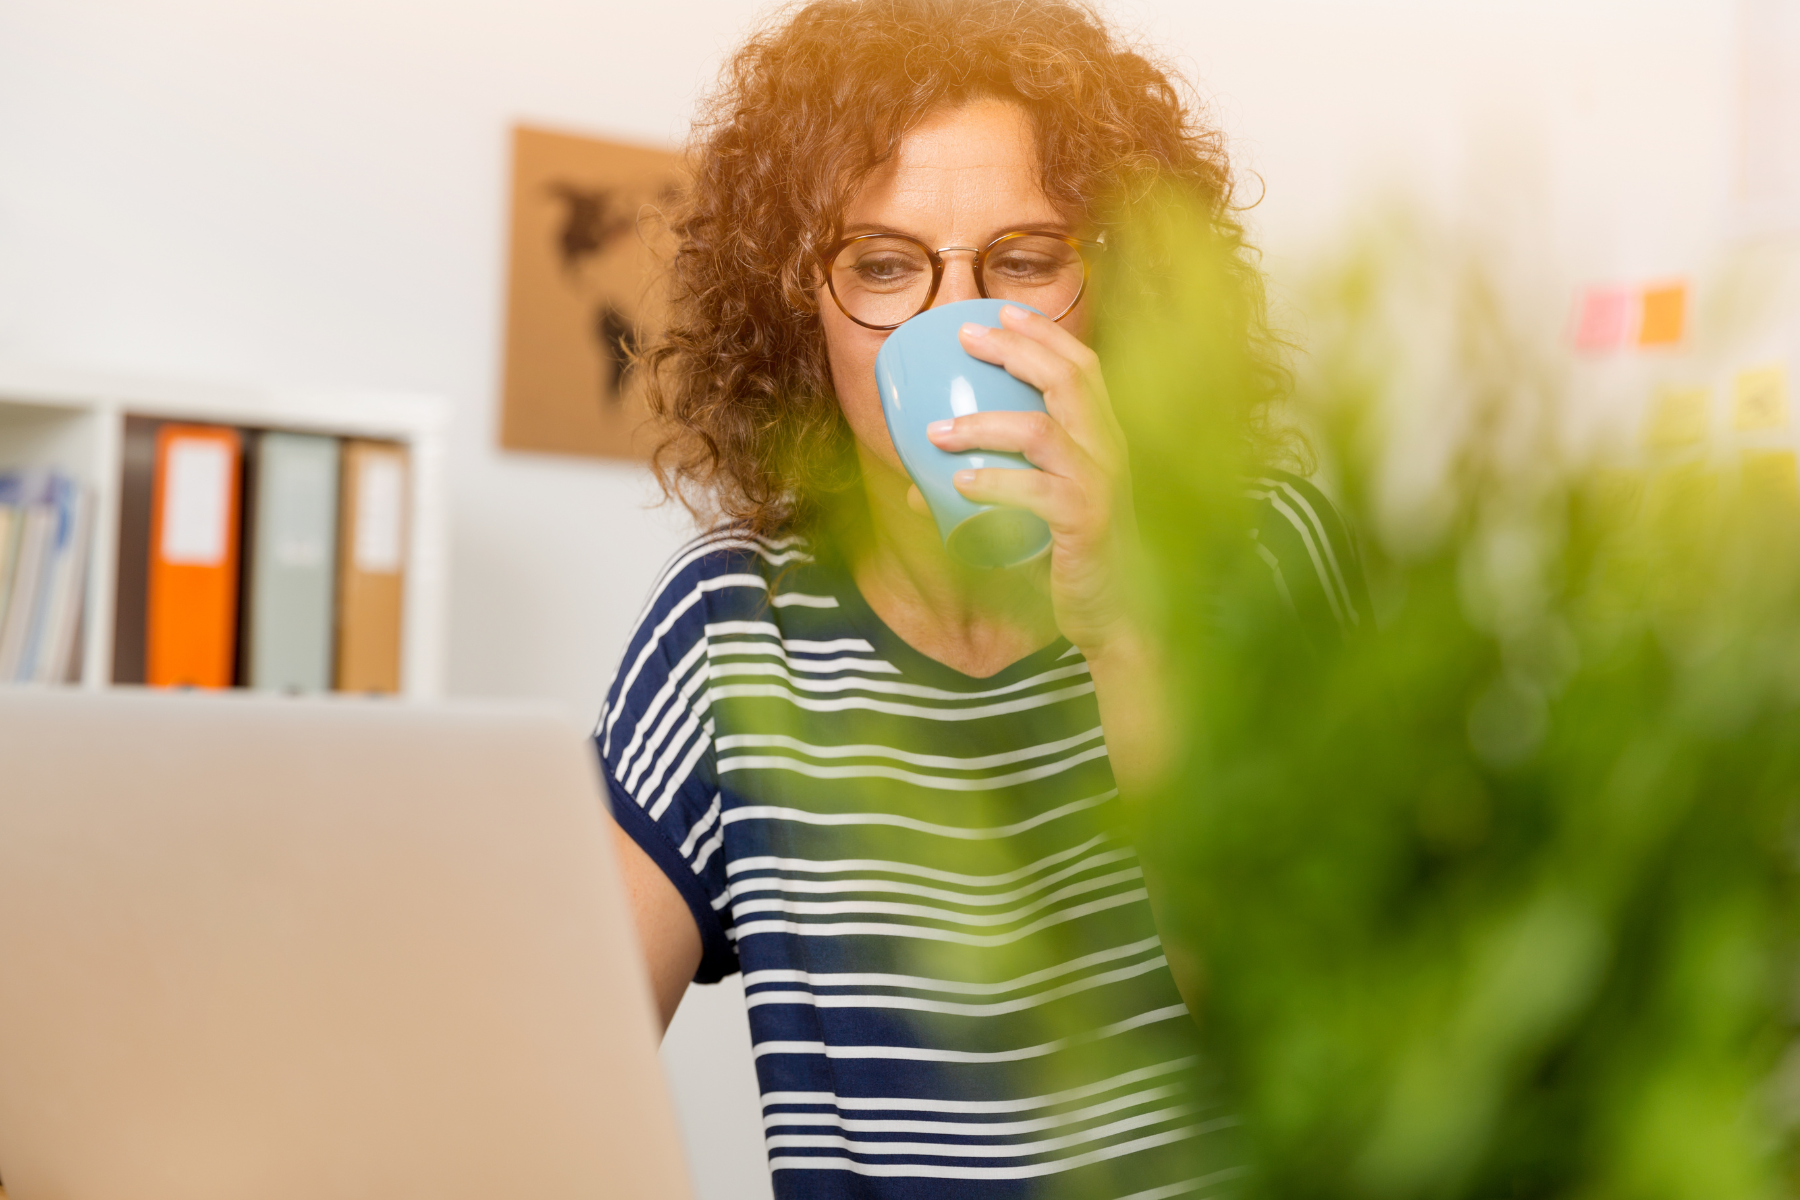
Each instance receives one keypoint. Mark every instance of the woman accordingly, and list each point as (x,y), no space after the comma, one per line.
(880,784)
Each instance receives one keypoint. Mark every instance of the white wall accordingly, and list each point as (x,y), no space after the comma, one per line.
(1616,116)
(313,191)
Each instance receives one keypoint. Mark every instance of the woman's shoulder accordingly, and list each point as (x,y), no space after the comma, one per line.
(716,582)
(729,584)
(724,553)
(1296,500)
(726,574)
(1311,549)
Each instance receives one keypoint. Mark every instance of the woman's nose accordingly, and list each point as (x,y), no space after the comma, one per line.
(959,279)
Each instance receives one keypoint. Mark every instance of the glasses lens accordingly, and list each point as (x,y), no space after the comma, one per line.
(1044,272)
(881,280)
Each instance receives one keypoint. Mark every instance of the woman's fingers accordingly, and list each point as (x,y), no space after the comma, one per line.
(1043,330)
(1040,352)
(1062,503)
(1049,369)
(1038,436)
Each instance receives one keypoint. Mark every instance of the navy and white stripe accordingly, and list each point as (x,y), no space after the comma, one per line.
(1311,556)
(955,987)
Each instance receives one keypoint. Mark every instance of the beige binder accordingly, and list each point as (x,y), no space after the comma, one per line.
(372,538)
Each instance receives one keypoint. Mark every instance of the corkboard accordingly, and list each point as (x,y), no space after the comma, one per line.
(583,290)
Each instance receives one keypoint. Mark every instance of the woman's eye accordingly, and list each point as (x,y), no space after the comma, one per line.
(1023,266)
(886,269)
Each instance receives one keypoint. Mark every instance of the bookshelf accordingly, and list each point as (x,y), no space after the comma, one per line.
(74,420)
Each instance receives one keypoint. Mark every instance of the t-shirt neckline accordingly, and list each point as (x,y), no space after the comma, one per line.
(909,658)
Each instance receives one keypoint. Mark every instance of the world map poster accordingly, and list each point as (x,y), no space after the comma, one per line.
(582,291)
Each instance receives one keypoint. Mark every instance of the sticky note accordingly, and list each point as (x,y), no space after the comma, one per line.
(1772,475)
(1759,399)
(1602,319)
(1679,417)
(1664,320)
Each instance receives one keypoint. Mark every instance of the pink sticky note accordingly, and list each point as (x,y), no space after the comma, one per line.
(1603,319)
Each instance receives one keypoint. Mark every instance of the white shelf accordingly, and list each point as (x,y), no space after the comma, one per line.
(74,420)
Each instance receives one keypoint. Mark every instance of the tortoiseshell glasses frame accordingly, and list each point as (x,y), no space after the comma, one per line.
(1051,267)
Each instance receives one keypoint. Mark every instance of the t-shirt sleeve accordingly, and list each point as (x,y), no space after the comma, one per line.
(1312,556)
(655,741)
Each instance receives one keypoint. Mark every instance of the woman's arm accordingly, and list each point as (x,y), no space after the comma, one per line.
(665,928)
(1134,712)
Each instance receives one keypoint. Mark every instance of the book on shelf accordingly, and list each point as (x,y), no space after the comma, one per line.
(44,534)
(131,579)
(55,637)
(12,528)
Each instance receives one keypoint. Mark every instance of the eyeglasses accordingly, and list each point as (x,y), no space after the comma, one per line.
(882,280)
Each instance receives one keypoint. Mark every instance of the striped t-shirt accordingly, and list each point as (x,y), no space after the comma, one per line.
(954,982)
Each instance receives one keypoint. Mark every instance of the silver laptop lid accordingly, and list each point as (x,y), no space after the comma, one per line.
(315,948)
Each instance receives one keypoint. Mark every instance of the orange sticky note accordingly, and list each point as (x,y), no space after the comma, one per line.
(1759,399)
(1664,319)
(1772,476)
(1679,417)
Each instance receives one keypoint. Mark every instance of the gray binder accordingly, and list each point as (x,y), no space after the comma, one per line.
(293,556)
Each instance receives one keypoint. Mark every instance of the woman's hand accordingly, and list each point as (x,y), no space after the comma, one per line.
(1082,485)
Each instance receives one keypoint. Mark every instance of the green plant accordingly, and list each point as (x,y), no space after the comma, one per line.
(1500,900)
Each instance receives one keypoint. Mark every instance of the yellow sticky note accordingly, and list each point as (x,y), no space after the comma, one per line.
(1772,475)
(1760,399)
(1664,318)
(1679,417)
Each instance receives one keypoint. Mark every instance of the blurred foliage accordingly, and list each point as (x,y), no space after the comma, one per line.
(1498,901)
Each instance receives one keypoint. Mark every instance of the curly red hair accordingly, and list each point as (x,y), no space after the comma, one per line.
(807,108)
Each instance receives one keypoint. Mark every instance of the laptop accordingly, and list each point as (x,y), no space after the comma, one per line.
(284,948)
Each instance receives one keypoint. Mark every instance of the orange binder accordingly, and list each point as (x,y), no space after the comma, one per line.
(191,602)
(371,566)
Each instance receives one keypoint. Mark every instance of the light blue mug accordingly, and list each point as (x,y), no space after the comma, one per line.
(925,375)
